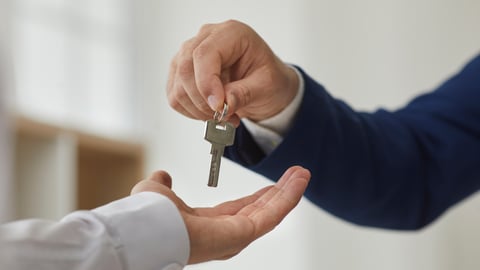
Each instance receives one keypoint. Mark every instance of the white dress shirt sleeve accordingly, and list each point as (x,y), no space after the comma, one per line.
(143,231)
(268,133)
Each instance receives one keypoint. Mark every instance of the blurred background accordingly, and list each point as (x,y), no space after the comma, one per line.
(90,112)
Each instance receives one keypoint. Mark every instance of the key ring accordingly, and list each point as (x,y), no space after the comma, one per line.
(220,116)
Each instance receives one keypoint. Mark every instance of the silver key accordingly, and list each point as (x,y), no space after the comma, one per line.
(219,134)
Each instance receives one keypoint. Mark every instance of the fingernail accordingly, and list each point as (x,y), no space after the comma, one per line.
(213,102)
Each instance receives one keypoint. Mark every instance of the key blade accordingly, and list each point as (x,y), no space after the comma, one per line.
(217,153)
(219,134)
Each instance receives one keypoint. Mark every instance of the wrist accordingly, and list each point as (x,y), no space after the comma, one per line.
(280,121)
(293,85)
(147,229)
(269,132)
(279,94)
(287,90)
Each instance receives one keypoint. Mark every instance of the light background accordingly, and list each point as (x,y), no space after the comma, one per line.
(102,66)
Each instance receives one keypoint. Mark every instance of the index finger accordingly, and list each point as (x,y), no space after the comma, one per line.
(219,50)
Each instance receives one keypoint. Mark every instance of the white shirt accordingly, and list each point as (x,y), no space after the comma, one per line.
(143,231)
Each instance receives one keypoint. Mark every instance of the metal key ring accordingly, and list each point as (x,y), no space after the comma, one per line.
(219,116)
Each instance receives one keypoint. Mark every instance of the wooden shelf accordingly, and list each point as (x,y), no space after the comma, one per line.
(58,170)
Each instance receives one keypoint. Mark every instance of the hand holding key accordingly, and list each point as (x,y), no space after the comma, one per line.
(220,134)
(229,63)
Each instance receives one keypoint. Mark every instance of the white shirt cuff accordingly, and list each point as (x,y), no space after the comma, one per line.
(149,229)
(268,133)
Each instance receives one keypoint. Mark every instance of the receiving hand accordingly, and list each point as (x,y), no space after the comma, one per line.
(223,231)
(229,62)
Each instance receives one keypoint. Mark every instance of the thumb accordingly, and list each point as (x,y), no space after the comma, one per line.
(240,94)
(159,181)
(161,177)
(254,97)
(263,93)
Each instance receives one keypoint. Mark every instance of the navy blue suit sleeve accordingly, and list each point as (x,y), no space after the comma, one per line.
(389,169)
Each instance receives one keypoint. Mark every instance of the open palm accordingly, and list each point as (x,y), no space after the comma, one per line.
(223,231)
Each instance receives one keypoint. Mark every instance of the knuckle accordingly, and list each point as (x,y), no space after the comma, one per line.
(243,95)
(237,26)
(183,62)
(200,51)
(232,23)
(174,103)
(186,45)
(173,63)
(185,68)
(175,98)
(205,28)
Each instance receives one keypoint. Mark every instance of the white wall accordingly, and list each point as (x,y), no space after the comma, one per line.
(370,53)
(72,64)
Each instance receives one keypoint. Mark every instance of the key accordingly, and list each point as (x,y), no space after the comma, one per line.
(219,134)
